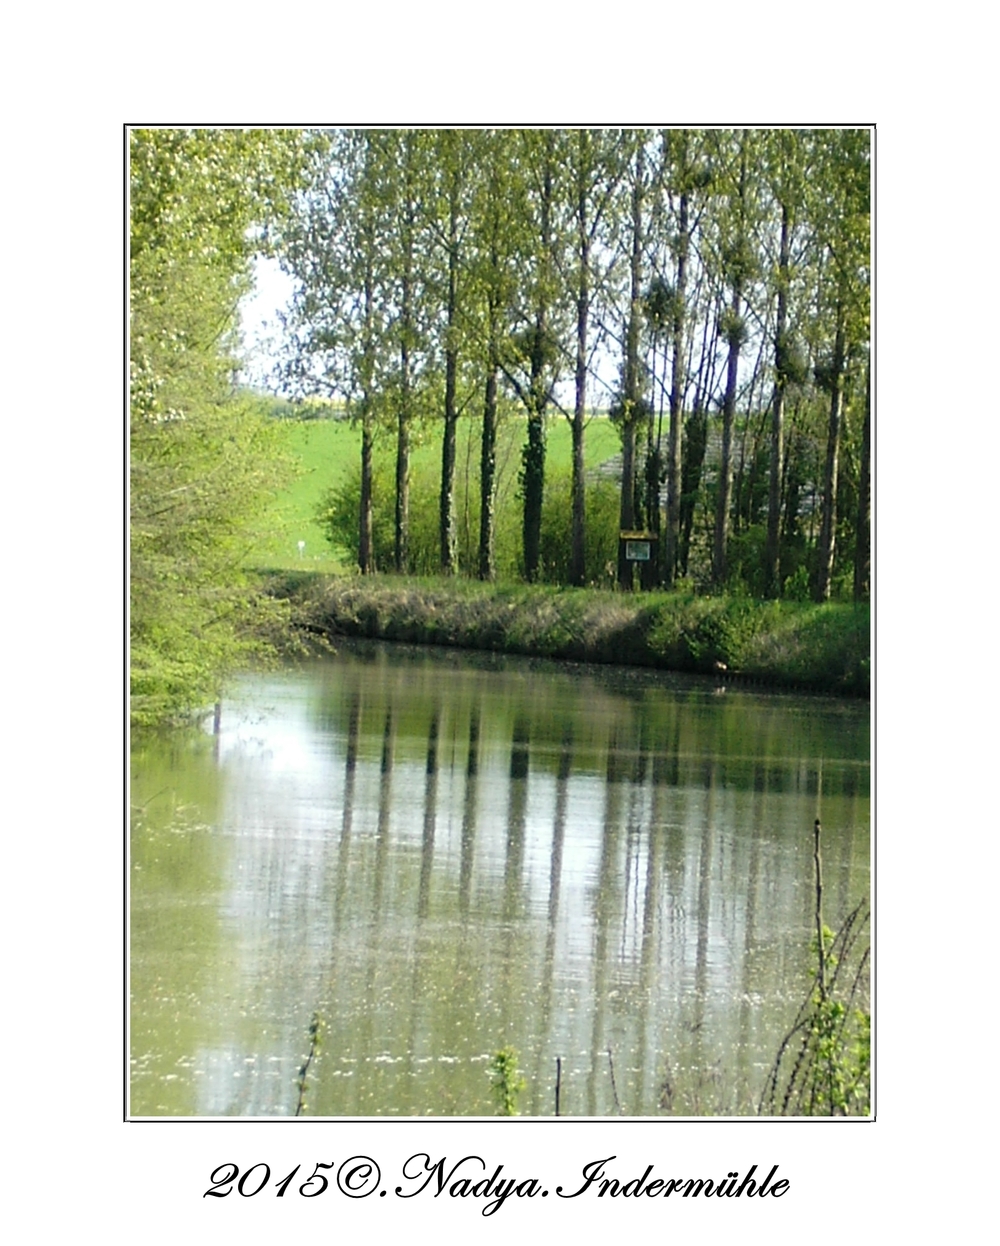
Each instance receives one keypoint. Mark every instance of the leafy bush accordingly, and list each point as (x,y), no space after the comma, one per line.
(745,560)
(340,511)
(601,532)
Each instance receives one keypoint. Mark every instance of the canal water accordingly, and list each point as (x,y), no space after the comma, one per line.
(439,855)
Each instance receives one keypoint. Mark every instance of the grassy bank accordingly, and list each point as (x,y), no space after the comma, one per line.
(785,644)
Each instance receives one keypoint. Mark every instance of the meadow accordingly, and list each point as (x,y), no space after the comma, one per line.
(325,452)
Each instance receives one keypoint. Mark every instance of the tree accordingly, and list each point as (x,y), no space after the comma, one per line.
(407,211)
(862,539)
(687,174)
(737,263)
(201,460)
(539,153)
(498,213)
(632,406)
(447,264)
(840,205)
(449,216)
(339,329)
(594,170)
(785,159)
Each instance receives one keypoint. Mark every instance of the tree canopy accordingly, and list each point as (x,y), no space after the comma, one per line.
(727,273)
(201,203)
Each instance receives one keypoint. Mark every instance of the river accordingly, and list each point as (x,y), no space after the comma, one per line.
(439,855)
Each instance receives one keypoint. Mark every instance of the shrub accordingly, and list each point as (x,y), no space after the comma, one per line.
(601,532)
(340,510)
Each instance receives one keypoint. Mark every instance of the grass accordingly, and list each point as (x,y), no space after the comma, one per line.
(790,644)
(325,451)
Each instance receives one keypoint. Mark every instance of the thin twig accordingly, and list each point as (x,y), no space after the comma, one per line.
(313,1044)
(614,1088)
(819,912)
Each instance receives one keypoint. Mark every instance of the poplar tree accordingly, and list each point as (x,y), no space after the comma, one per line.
(737,264)
(785,162)
(687,175)
(339,331)
(497,217)
(594,168)
(448,212)
(538,151)
(632,404)
(840,204)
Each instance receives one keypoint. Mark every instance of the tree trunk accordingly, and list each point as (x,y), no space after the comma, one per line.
(402,486)
(695,440)
(578,570)
(772,585)
(366,552)
(695,437)
(402,533)
(828,516)
(674,457)
(651,499)
(533,457)
(724,496)
(626,518)
(449,533)
(631,396)
(862,548)
(735,339)
(487,475)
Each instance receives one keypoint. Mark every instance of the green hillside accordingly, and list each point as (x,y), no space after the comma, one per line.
(326,451)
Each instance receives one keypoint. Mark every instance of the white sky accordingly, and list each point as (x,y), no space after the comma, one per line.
(261,328)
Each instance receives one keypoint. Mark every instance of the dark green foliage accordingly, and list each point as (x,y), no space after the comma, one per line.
(745,560)
(600,537)
(340,510)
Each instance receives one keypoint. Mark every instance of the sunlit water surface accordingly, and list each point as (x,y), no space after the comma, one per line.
(443,854)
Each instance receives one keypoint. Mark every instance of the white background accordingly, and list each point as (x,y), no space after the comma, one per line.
(72,1165)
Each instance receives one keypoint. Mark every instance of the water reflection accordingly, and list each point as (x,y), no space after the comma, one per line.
(444,856)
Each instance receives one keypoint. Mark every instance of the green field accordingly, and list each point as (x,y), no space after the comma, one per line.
(324,452)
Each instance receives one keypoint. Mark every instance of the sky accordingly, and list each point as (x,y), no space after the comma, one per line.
(261,330)
(260,324)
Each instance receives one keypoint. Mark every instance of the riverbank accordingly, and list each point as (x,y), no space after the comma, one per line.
(784,644)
